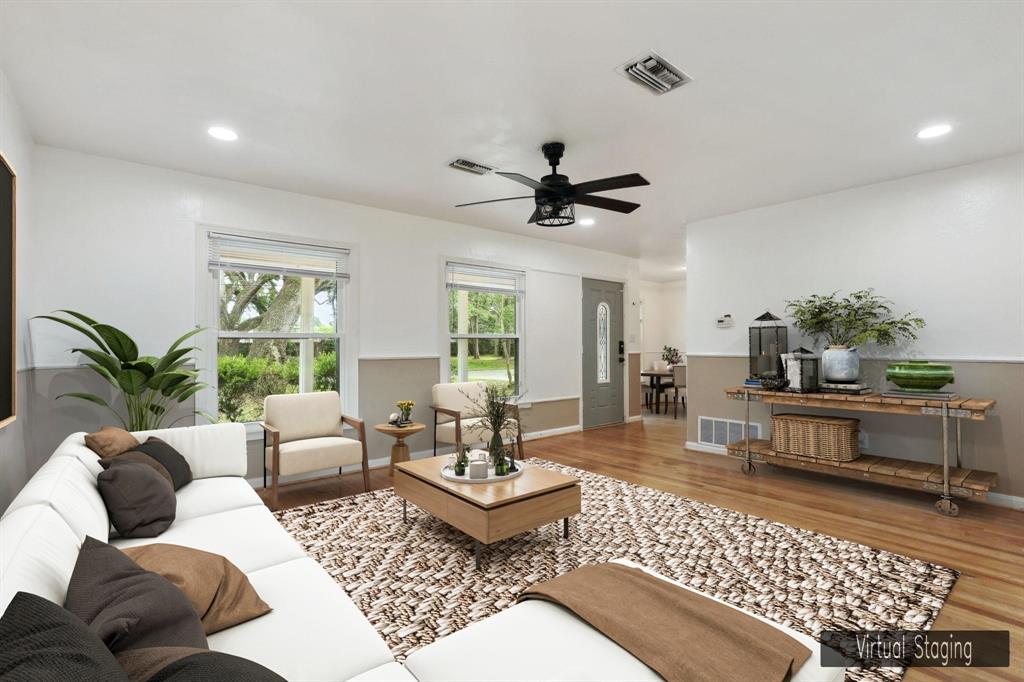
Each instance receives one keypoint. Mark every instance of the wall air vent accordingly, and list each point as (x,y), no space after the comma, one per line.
(655,73)
(470,166)
(718,433)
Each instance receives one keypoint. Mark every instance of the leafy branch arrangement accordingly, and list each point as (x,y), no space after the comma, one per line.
(671,355)
(148,384)
(498,414)
(859,318)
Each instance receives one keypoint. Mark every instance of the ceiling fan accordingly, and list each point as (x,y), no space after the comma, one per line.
(555,197)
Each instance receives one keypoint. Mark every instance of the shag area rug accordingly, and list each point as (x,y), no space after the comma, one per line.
(416,581)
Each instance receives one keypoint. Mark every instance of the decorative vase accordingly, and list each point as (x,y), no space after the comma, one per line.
(841,364)
(501,468)
(406,414)
(496,448)
(919,375)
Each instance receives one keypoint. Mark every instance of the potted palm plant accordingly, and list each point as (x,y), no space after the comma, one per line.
(149,386)
(847,323)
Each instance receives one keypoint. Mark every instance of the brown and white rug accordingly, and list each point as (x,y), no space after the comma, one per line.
(416,582)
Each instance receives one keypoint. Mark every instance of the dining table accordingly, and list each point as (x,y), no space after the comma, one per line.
(655,377)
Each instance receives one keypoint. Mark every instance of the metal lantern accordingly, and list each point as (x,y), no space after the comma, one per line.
(768,341)
(801,367)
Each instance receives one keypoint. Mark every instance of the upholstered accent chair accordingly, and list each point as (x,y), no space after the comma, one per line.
(455,422)
(304,431)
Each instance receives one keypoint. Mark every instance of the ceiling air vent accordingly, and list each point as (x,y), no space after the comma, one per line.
(470,166)
(654,72)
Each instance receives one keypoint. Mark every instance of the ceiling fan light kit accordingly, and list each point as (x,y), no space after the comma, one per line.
(555,198)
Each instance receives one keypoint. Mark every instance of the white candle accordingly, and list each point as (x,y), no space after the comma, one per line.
(478,469)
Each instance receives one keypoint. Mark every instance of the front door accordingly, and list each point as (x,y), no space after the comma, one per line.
(604,353)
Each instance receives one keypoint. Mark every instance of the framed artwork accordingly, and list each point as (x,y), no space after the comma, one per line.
(8,217)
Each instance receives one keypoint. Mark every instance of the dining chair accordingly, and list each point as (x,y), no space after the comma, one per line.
(679,383)
(305,433)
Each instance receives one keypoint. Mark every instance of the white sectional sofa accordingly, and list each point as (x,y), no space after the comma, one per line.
(315,632)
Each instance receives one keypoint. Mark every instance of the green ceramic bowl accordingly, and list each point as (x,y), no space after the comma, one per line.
(919,375)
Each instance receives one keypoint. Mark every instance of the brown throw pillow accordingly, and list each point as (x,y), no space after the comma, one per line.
(220,593)
(141,458)
(183,664)
(139,501)
(128,607)
(110,441)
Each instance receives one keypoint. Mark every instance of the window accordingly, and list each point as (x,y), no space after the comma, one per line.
(603,351)
(485,317)
(278,320)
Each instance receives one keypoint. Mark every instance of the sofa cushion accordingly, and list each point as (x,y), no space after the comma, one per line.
(561,646)
(139,501)
(74,446)
(184,664)
(42,642)
(128,606)
(209,449)
(205,496)
(66,485)
(304,415)
(38,551)
(167,460)
(218,591)
(250,538)
(389,672)
(315,632)
(110,441)
(314,454)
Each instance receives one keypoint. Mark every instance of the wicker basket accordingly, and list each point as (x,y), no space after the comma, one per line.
(807,435)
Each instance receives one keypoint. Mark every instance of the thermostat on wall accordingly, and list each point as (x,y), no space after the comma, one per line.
(724,322)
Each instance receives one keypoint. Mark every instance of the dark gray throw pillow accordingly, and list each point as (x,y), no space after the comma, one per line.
(128,607)
(139,501)
(171,459)
(41,642)
(181,664)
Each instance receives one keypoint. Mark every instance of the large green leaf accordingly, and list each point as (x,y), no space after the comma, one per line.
(131,381)
(168,381)
(85,396)
(185,395)
(105,359)
(186,335)
(84,318)
(171,357)
(120,344)
(207,416)
(102,371)
(78,328)
(143,366)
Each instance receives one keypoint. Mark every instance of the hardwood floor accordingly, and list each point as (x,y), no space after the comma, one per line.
(985,543)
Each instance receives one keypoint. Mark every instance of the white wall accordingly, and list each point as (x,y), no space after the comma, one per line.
(118,241)
(17,146)
(948,245)
(664,318)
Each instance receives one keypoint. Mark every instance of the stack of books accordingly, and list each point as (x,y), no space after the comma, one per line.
(752,383)
(944,396)
(847,389)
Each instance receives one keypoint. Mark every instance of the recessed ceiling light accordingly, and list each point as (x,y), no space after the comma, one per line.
(934,131)
(587,222)
(221,133)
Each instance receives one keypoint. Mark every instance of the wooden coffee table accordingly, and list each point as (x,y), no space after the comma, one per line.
(488,512)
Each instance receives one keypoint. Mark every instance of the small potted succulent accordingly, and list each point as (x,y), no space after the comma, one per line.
(846,323)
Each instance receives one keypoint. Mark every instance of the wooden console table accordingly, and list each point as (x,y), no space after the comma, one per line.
(949,481)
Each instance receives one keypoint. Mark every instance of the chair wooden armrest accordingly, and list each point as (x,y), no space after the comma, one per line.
(445,410)
(360,426)
(458,425)
(275,461)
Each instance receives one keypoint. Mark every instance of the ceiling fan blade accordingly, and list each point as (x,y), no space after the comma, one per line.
(535,217)
(522,179)
(605,184)
(607,203)
(491,201)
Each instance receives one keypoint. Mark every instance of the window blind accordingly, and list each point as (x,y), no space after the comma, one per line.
(276,256)
(480,278)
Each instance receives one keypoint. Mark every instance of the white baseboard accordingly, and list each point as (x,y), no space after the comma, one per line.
(634,418)
(547,433)
(1008,501)
(701,447)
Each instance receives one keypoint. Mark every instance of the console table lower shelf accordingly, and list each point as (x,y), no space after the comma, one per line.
(903,473)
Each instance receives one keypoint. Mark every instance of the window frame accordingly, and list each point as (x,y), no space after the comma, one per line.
(519,292)
(208,312)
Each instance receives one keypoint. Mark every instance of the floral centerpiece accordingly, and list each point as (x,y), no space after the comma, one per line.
(405,410)
(671,355)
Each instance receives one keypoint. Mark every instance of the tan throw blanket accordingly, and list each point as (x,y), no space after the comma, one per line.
(680,634)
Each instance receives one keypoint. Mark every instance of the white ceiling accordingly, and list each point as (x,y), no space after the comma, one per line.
(367,102)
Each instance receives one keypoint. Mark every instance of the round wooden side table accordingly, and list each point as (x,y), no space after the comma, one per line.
(399,451)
